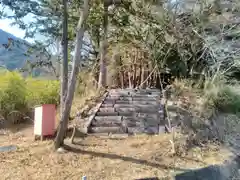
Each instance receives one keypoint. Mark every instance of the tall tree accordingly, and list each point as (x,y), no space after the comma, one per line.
(64,68)
(72,83)
(103,66)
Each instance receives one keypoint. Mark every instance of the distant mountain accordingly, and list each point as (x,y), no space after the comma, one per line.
(13,51)
(15,54)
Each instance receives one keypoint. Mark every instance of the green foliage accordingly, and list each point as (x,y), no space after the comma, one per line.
(171,39)
(228,99)
(12,93)
(42,91)
(215,93)
(225,98)
(19,94)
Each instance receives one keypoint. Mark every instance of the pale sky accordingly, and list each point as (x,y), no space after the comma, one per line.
(5,25)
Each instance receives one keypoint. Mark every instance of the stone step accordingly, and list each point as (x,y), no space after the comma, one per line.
(107,114)
(135,130)
(119,96)
(114,130)
(130,130)
(124,121)
(128,110)
(143,122)
(132,122)
(133,98)
(125,109)
(144,102)
(106,109)
(107,105)
(148,96)
(132,91)
(115,113)
(114,98)
(112,102)
(142,98)
(109,118)
(127,113)
(118,109)
(107,121)
(137,106)
(136,95)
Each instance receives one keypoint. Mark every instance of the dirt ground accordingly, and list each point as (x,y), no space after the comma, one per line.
(99,158)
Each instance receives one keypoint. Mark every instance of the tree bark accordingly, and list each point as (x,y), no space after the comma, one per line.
(135,68)
(122,75)
(58,67)
(103,69)
(129,80)
(64,67)
(71,86)
(102,81)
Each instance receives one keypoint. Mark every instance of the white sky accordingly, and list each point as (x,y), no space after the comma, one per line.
(5,25)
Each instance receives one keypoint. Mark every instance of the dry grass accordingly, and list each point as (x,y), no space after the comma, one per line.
(86,97)
(98,158)
(86,100)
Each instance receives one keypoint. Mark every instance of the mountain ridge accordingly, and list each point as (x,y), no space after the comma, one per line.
(13,51)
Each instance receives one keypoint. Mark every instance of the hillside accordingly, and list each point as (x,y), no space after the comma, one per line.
(12,51)
(14,54)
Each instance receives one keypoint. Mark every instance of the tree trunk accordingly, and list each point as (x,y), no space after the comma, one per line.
(64,67)
(140,73)
(71,86)
(129,79)
(122,75)
(142,77)
(102,81)
(58,65)
(147,76)
(103,69)
(135,68)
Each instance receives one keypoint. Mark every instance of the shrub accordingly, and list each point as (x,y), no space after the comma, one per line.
(226,98)
(19,94)
(217,94)
(42,92)
(12,93)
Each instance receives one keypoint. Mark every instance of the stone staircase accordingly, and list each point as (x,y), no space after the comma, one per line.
(128,111)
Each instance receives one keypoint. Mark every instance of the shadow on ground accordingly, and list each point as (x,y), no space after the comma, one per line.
(115,156)
(227,171)
(213,172)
